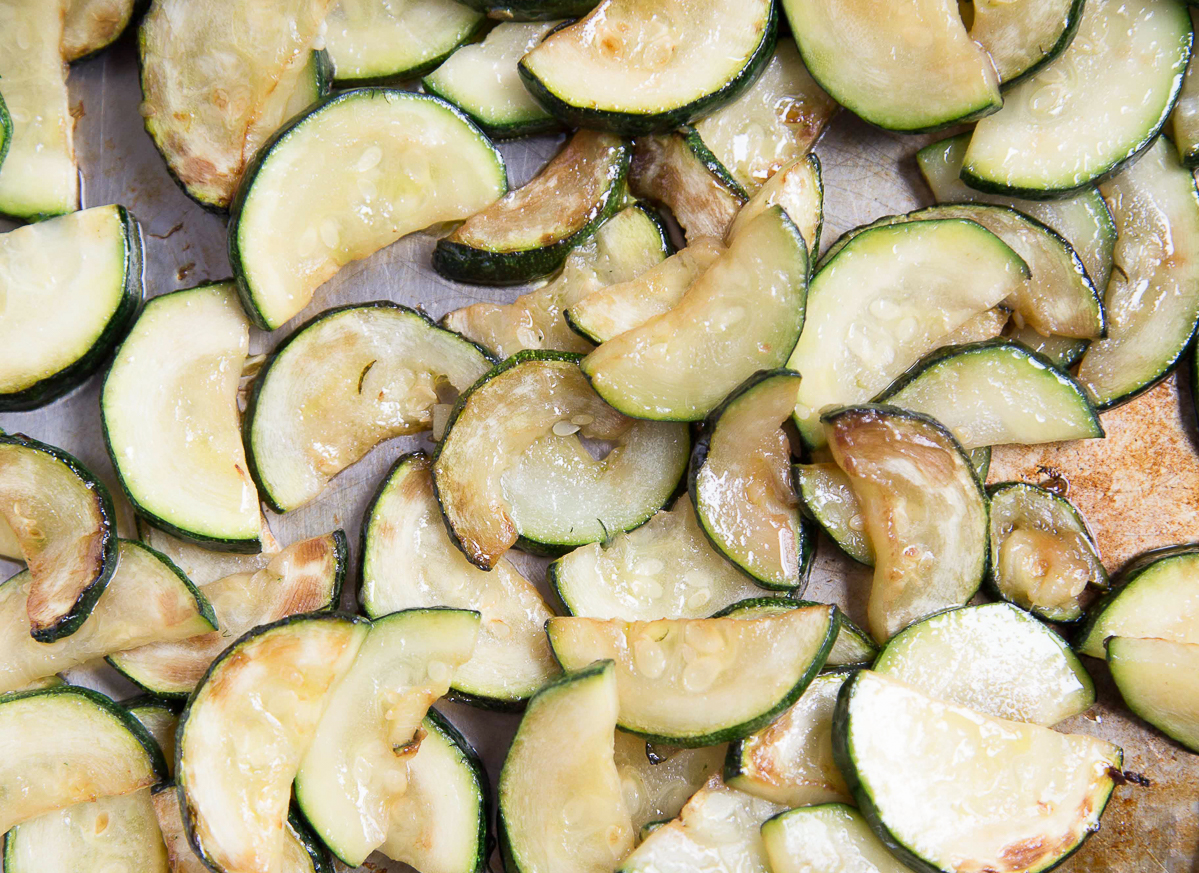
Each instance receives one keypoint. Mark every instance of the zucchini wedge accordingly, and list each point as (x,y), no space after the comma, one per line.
(528,233)
(170,418)
(853,647)
(1184,122)
(632,67)
(374,43)
(626,245)
(62,520)
(657,781)
(1097,106)
(1152,300)
(887,298)
(994,659)
(911,70)
(1033,794)
(1062,351)
(73,285)
(408,161)
(925,511)
(342,383)
(39,176)
(797,187)
(829,838)
(532,10)
(93,25)
(66,745)
(678,172)
(742,315)
(740,483)
(409,562)
(698,682)
(1023,37)
(160,718)
(481,79)
(147,601)
(511,465)
(356,764)
(561,805)
(202,565)
(1157,680)
(1042,555)
(827,496)
(305,577)
(245,730)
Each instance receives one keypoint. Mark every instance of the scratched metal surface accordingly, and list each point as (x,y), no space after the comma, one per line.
(866,173)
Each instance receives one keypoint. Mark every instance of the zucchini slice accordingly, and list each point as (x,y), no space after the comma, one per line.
(561,806)
(532,10)
(409,562)
(1023,37)
(245,730)
(305,577)
(1090,111)
(512,466)
(1042,555)
(528,233)
(994,659)
(1152,300)
(1184,123)
(62,520)
(853,647)
(1062,351)
(1157,680)
(657,781)
(925,511)
(372,42)
(790,761)
(625,246)
(170,417)
(39,176)
(827,496)
(633,67)
(697,682)
(409,161)
(202,565)
(1033,795)
(93,25)
(742,315)
(349,379)
(678,172)
(66,745)
(356,764)
(888,297)
(797,187)
(72,287)
(912,70)
(830,838)
(740,483)
(147,600)
(481,80)
(160,718)
(996,392)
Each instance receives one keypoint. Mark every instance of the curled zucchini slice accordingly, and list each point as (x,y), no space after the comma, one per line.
(1184,123)
(160,718)
(925,511)
(93,25)
(528,232)
(1157,680)
(697,682)
(1023,37)
(827,496)
(62,522)
(852,647)
(829,838)
(797,187)
(512,466)
(1034,794)
(678,172)
(658,781)
(202,565)
(408,161)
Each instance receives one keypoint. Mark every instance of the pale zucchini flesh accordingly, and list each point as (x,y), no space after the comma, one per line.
(1184,123)
(667,169)
(798,187)
(827,495)
(852,647)
(1062,351)
(1157,680)
(202,565)
(830,838)
(1022,37)
(160,718)
(93,25)
(657,781)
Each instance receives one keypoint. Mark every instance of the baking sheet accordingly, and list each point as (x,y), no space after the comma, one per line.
(867,173)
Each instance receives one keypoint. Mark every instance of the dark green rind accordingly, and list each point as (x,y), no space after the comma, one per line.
(152,701)
(532,10)
(472,760)
(317,853)
(5,130)
(981,459)
(700,149)
(499,131)
(403,74)
(1073,17)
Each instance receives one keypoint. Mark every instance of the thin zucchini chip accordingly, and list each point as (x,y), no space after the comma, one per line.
(408,161)
(202,565)
(409,562)
(62,520)
(1062,351)
(356,764)
(342,383)
(740,483)
(511,464)
(678,172)
(1023,37)
(626,245)
(799,189)
(170,417)
(93,25)
(1184,123)
(697,682)
(304,577)
(1157,681)
(1042,555)
(1033,794)
(827,496)
(830,838)
(657,781)
(160,718)
(532,10)
(852,647)
(528,233)
(1090,111)
(925,511)
(1152,300)
(147,601)
(72,287)
(633,67)
(742,315)
(561,806)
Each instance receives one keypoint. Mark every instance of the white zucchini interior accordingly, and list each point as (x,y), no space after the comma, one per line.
(797,187)
(656,789)
(91,25)
(1157,680)
(368,40)
(830,838)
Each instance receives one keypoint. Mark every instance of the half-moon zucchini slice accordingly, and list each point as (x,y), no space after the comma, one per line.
(93,25)
(1023,37)
(697,682)
(532,10)
(511,464)
(829,838)
(406,161)
(202,565)
(1184,122)
(677,171)
(62,521)
(160,718)
(170,417)
(827,496)
(797,187)
(1157,680)
(853,647)
(657,781)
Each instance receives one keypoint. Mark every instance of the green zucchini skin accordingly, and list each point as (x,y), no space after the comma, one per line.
(56,385)
(701,151)
(321,862)
(486,840)
(532,10)
(5,129)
